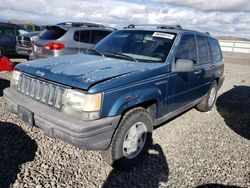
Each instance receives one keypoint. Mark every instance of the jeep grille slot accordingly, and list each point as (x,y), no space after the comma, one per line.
(41,91)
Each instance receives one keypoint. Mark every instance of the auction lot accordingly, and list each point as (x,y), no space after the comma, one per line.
(193,150)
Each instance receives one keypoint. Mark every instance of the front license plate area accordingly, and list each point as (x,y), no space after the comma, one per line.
(26,115)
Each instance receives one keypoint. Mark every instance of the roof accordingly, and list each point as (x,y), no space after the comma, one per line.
(164,28)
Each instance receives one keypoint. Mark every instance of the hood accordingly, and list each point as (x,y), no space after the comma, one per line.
(82,71)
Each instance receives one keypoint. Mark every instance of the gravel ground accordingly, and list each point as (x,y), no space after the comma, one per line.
(193,150)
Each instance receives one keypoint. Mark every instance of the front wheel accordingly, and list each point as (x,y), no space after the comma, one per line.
(131,140)
(210,99)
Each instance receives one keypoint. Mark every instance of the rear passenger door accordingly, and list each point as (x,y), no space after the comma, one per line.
(203,71)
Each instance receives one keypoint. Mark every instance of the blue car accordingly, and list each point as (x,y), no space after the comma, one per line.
(110,98)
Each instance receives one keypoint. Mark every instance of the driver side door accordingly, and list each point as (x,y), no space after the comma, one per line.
(181,84)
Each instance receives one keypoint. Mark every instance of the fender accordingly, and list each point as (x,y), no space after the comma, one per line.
(134,98)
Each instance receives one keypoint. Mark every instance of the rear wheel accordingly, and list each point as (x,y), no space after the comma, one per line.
(131,140)
(210,99)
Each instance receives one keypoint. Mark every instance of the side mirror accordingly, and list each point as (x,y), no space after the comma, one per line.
(184,65)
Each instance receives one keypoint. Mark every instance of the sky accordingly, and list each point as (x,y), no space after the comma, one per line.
(219,17)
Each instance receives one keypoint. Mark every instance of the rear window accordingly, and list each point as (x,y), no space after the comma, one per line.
(215,48)
(98,35)
(53,33)
(204,53)
(82,36)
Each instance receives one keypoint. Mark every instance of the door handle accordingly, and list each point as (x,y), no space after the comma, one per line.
(197,72)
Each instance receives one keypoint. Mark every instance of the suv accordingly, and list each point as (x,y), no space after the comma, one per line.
(68,38)
(111,98)
(8,34)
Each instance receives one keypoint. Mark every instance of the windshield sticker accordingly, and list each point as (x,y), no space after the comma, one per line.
(163,35)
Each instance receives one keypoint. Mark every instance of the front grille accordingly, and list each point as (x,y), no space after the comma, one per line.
(42,91)
(24,41)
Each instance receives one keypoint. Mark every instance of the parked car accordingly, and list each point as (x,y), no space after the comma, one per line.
(68,38)
(24,44)
(6,64)
(111,98)
(8,34)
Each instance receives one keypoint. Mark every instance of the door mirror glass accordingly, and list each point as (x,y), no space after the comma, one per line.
(184,65)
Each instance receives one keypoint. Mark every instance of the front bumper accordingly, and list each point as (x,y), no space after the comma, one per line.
(26,51)
(92,135)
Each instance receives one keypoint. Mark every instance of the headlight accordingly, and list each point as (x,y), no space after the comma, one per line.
(81,105)
(15,78)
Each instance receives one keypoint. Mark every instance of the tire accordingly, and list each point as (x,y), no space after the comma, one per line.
(121,154)
(210,99)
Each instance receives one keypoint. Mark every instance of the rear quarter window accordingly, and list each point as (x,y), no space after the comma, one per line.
(82,36)
(52,34)
(215,49)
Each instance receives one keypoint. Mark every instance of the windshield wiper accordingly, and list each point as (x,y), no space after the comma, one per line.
(122,55)
(95,51)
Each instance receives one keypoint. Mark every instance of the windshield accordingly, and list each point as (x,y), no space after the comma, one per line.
(146,46)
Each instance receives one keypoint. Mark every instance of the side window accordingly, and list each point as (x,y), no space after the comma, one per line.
(82,36)
(7,31)
(204,53)
(97,35)
(215,48)
(186,48)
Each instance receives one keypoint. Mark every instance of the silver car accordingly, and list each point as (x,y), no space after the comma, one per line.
(68,38)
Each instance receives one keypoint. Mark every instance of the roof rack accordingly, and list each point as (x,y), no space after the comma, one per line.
(158,26)
(79,24)
(83,24)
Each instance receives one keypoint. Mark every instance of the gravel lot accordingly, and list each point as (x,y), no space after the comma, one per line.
(193,150)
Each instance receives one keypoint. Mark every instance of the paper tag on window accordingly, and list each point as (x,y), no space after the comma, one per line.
(163,35)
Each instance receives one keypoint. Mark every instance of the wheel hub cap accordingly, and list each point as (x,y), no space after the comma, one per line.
(134,140)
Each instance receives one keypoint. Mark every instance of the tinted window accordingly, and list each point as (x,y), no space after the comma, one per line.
(96,36)
(186,48)
(215,48)
(52,33)
(204,51)
(7,31)
(82,36)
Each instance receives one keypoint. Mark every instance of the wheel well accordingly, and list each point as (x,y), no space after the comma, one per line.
(150,106)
